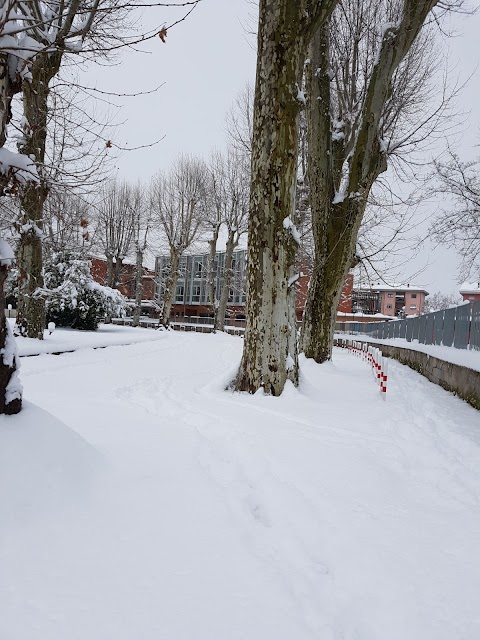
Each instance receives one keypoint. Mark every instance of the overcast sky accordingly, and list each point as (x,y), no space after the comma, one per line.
(204,64)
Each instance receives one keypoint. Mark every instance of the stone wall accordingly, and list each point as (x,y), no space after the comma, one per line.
(461,381)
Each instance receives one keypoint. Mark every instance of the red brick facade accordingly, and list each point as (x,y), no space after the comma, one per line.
(127,278)
(345,305)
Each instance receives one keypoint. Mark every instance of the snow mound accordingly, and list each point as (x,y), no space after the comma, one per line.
(44,465)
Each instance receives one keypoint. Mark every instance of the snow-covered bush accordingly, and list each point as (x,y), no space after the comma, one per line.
(11,287)
(72,297)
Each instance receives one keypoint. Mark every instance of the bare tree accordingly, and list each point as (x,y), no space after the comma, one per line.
(270,353)
(233,195)
(213,223)
(239,121)
(367,75)
(178,200)
(66,221)
(63,28)
(34,30)
(439,301)
(458,225)
(68,29)
(114,227)
(142,223)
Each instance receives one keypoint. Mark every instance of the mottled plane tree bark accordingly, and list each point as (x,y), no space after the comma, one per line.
(284,32)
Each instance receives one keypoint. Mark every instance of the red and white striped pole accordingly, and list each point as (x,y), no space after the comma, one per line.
(383,381)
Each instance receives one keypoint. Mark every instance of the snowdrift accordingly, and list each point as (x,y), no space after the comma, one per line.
(51,466)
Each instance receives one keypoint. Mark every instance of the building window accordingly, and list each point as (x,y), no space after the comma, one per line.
(196,293)
(199,269)
(413,306)
(414,295)
(389,295)
(179,293)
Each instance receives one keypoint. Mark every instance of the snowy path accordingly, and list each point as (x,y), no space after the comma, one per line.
(196,514)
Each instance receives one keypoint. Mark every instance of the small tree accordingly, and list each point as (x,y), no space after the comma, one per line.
(73,298)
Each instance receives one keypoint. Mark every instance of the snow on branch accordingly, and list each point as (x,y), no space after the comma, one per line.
(17,166)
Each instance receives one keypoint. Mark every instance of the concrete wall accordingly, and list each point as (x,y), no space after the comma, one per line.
(461,381)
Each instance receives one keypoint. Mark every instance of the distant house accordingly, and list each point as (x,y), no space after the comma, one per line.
(470,291)
(389,300)
(127,278)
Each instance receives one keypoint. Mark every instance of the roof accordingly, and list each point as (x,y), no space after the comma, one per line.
(359,314)
(470,287)
(394,287)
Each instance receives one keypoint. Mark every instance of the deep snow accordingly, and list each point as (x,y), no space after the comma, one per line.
(170,509)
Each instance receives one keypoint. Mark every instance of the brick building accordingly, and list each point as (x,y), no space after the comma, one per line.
(470,291)
(391,301)
(127,278)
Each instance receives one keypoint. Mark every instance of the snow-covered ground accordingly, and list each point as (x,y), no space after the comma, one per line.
(62,340)
(150,504)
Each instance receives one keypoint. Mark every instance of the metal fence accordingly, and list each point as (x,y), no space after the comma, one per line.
(458,327)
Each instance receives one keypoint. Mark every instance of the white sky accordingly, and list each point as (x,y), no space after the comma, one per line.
(204,64)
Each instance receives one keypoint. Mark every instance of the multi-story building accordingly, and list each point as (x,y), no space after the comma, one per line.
(394,301)
(191,293)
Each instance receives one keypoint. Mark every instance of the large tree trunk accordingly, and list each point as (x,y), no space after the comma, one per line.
(170,286)
(31,306)
(31,309)
(335,240)
(138,288)
(270,354)
(117,275)
(211,289)
(110,279)
(335,220)
(10,387)
(227,281)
